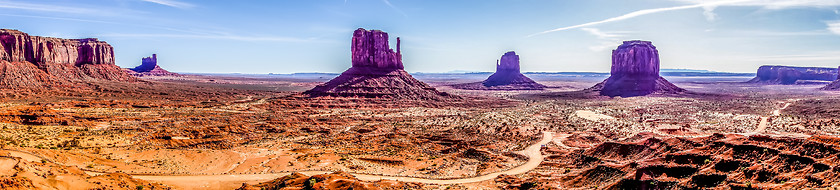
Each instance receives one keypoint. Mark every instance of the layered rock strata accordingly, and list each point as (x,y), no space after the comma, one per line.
(790,75)
(635,72)
(506,77)
(149,67)
(833,85)
(33,61)
(376,72)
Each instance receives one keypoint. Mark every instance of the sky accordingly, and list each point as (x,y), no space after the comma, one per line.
(294,36)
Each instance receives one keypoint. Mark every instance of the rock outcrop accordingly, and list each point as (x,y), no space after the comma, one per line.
(790,75)
(34,62)
(506,77)
(149,67)
(635,72)
(376,72)
(833,85)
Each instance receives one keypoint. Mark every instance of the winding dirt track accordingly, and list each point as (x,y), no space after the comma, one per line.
(533,153)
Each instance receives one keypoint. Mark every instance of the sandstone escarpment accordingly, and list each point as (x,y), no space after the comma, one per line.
(149,67)
(635,72)
(790,75)
(833,85)
(376,72)
(35,62)
(506,77)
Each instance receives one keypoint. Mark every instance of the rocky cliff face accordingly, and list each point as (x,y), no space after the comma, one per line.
(149,67)
(508,63)
(34,61)
(506,77)
(833,85)
(635,72)
(790,75)
(376,72)
(20,47)
(370,49)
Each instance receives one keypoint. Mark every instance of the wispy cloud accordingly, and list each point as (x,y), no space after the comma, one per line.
(388,2)
(606,40)
(45,7)
(172,3)
(640,13)
(771,4)
(601,34)
(216,37)
(833,26)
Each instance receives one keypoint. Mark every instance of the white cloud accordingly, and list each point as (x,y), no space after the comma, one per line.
(217,37)
(606,40)
(709,13)
(45,7)
(642,13)
(772,4)
(833,26)
(600,34)
(171,3)
(603,45)
(388,2)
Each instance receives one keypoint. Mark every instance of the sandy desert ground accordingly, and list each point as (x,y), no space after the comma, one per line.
(220,131)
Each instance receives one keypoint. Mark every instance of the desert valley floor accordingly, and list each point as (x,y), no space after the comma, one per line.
(220,131)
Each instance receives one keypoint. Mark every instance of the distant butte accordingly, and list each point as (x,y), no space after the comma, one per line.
(635,72)
(149,67)
(790,75)
(34,62)
(376,72)
(506,77)
(833,85)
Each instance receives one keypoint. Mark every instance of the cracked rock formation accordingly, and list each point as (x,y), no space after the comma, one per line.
(506,77)
(149,67)
(36,62)
(790,75)
(833,85)
(635,72)
(376,72)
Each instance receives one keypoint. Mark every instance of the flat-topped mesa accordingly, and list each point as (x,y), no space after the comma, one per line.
(635,58)
(35,61)
(370,49)
(376,72)
(774,74)
(835,85)
(21,47)
(635,72)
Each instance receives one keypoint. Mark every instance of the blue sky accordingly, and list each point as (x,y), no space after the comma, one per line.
(288,36)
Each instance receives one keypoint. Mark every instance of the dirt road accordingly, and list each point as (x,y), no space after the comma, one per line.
(232,181)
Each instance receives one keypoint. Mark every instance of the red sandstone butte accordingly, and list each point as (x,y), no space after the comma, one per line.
(149,67)
(376,72)
(635,72)
(506,77)
(36,62)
